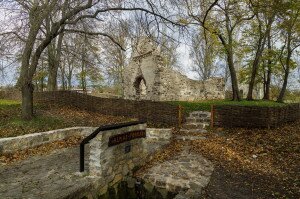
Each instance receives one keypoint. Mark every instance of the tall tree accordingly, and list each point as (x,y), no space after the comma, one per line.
(38,11)
(226,17)
(204,53)
(114,58)
(264,12)
(290,26)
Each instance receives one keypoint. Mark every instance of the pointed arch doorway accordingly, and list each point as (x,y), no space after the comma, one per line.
(140,88)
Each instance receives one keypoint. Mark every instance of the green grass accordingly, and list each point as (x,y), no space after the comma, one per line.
(11,123)
(48,118)
(36,122)
(8,103)
(206,105)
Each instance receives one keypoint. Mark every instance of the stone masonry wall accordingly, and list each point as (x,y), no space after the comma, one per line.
(108,165)
(147,77)
(13,144)
(157,139)
(174,86)
(112,163)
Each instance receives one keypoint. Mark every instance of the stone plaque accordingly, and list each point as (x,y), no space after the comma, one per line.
(127,148)
(125,137)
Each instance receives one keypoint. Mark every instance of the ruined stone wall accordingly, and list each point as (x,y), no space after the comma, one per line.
(173,86)
(147,77)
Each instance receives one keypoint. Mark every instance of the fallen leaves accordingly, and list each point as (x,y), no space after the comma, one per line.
(6,159)
(169,151)
(264,152)
(50,118)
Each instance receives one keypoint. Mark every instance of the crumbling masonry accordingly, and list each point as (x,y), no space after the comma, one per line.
(148,78)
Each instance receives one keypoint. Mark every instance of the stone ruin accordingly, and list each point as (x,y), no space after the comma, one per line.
(148,78)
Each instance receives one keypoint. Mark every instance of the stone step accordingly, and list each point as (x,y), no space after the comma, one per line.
(200,114)
(203,131)
(197,120)
(201,125)
(186,138)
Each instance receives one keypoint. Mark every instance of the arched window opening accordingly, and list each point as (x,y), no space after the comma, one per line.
(140,88)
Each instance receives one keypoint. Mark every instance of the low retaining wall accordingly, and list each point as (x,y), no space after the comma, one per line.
(254,116)
(158,114)
(159,134)
(13,144)
(109,163)
(157,139)
(10,94)
(113,163)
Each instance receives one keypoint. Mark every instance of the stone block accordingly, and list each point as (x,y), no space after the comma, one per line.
(116,179)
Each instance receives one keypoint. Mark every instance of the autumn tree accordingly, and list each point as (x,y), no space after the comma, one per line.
(265,12)
(114,59)
(37,12)
(290,31)
(204,53)
(223,18)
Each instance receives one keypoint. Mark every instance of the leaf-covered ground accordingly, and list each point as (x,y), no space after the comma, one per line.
(258,163)
(249,163)
(48,118)
(44,149)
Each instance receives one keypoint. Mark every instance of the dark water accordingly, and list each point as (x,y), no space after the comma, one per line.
(128,190)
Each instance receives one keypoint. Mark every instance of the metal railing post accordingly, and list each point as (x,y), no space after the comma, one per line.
(212,116)
(81,157)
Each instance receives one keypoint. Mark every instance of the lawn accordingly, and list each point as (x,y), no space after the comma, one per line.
(47,118)
(4,103)
(206,104)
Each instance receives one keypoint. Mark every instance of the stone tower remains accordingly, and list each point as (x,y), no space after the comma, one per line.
(148,78)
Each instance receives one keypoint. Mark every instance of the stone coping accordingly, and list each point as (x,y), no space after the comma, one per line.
(13,144)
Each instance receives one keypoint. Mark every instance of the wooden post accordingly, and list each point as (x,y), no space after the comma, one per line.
(179,116)
(211,116)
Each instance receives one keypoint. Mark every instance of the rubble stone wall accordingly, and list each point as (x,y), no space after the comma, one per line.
(147,77)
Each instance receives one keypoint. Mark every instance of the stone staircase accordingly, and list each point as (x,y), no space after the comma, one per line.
(196,123)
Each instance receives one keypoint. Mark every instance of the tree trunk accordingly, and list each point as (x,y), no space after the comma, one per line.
(25,79)
(42,84)
(30,57)
(54,55)
(42,80)
(269,72)
(63,78)
(286,70)
(259,52)
(234,81)
(284,85)
(27,101)
(52,68)
(52,77)
(230,63)
(255,65)
(69,79)
(268,84)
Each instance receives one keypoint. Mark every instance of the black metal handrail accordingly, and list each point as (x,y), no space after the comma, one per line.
(97,131)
